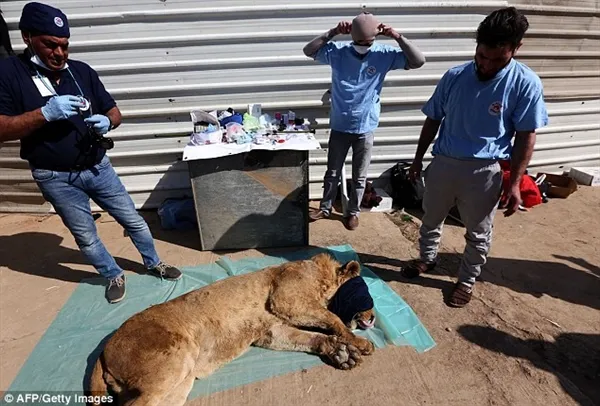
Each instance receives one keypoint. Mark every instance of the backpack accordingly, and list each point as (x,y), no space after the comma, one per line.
(404,191)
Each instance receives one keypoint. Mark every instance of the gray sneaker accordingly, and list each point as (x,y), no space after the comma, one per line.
(115,292)
(166,271)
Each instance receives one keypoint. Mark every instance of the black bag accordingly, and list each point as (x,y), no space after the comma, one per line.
(404,191)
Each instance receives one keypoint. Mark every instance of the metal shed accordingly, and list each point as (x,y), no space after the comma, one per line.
(161,58)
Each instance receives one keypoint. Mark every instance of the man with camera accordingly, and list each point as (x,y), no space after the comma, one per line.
(60,111)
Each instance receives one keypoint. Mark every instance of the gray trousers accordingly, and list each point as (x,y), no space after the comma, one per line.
(474,186)
(337,149)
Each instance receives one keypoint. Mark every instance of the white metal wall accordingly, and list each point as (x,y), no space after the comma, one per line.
(162,58)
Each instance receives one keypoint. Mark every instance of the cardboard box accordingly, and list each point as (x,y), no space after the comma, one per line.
(586,176)
(561,186)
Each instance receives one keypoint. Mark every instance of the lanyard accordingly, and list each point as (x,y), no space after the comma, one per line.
(51,88)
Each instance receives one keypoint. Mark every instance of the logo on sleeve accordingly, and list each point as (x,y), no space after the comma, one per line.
(58,21)
(495,108)
(371,70)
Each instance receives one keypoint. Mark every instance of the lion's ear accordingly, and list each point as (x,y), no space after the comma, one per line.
(350,269)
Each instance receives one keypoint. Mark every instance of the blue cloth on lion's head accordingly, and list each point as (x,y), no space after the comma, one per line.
(38,18)
(351,298)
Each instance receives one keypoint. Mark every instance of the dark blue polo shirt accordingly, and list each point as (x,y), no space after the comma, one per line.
(60,145)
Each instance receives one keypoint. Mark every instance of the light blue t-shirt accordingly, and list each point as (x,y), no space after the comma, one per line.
(479,119)
(356,83)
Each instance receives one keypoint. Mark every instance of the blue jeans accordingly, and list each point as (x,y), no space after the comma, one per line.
(337,149)
(70,193)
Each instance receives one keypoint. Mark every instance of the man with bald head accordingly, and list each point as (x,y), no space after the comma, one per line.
(358,69)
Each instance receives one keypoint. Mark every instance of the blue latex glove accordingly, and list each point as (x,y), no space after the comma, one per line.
(99,123)
(61,107)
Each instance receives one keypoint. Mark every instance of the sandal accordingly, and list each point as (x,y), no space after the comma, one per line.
(460,296)
(416,267)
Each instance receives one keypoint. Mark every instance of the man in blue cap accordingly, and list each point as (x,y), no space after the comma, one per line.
(60,111)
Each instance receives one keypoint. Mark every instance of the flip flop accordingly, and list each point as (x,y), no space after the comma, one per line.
(460,296)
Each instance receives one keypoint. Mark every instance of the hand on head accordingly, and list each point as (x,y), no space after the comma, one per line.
(387,31)
(343,28)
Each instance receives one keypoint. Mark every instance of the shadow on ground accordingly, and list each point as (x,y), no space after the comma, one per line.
(41,254)
(570,279)
(574,358)
(183,238)
(536,278)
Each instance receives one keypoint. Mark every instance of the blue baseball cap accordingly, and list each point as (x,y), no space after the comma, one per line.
(44,19)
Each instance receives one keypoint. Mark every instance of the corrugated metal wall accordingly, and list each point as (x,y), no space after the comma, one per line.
(162,58)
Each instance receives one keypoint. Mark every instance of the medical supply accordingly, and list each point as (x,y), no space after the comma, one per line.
(224,114)
(235,128)
(212,135)
(255,110)
(235,133)
(251,123)
(202,120)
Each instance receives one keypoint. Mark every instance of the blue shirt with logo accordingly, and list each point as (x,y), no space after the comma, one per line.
(61,144)
(356,82)
(480,118)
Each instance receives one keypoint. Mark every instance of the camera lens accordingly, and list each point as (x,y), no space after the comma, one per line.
(106,143)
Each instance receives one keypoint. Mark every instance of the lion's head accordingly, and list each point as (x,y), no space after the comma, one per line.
(363,320)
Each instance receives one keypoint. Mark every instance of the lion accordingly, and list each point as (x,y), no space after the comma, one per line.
(155,356)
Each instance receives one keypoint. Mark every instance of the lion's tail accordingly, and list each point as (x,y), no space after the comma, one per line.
(98,386)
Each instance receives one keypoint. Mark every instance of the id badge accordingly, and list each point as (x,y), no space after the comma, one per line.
(44,86)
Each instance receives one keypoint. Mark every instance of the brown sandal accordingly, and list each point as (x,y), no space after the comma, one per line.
(417,267)
(460,296)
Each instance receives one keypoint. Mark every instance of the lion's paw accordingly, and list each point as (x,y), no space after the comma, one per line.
(344,356)
(365,346)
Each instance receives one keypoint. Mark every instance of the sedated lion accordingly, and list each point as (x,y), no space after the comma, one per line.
(155,356)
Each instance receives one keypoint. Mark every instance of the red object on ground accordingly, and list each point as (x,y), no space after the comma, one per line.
(530,193)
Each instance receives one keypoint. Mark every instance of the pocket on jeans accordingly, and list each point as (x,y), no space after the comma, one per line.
(43,175)
(104,162)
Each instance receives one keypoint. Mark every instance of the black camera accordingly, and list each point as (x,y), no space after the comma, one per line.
(100,140)
(94,137)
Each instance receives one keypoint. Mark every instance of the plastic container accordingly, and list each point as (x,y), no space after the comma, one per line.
(213,135)
(235,132)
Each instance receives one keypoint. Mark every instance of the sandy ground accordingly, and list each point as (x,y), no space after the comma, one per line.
(531,336)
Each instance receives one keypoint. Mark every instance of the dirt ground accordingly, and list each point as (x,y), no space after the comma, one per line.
(531,336)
